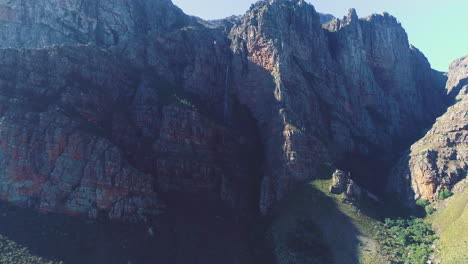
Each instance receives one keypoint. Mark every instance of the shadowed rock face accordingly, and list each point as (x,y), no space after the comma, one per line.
(80,138)
(54,155)
(440,159)
(91,127)
(143,101)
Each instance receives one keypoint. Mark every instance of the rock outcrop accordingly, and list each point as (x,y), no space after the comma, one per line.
(340,180)
(440,159)
(343,184)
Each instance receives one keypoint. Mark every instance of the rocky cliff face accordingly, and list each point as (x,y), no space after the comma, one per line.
(81,138)
(132,110)
(438,160)
(141,101)
(326,96)
(92,128)
(53,154)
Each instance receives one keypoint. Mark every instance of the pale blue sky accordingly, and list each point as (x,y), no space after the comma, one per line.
(439,28)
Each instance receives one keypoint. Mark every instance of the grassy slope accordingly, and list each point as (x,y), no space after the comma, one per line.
(314,226)
(451,224)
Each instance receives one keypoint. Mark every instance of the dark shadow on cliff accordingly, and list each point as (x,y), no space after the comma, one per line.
(456,90)
(75,240)
(372,172)
(311,226)
(197,230)
(206,231)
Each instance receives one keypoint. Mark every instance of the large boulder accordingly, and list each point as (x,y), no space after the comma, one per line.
(340,182)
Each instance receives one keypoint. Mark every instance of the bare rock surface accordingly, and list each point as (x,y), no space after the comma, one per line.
(340,181)
(330,94)
(198,97)
(133,110)
(440,159)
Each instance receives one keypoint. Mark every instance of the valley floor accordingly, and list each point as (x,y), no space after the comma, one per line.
(309,226)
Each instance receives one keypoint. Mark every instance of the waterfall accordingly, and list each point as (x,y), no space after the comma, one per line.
(226,95)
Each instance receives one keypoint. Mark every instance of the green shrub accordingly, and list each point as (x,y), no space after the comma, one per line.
(418,254)
(409,240)
(422,202)
(430,209)
(444,194)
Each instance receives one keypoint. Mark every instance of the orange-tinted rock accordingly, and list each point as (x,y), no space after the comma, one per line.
(440,159)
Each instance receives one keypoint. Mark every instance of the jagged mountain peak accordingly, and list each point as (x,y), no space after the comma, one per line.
(457,76)
(383,17)
(281,5)
(325,18)
(352,14)
(272,2)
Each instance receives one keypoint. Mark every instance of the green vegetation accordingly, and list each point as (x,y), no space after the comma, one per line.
(409,241)
(430,209)
(426,205)
(169,94)
(444,194)
(423,203)
(451,224)
(13,253)
(314,226)
(186,102)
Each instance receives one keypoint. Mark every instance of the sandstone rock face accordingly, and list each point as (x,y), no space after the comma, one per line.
(440,159)
(52,153)
(154,35)
(141,101)
(80,138)
(321,95)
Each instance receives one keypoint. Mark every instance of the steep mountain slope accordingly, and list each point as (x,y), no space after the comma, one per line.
(316,95)
(134,111)
(124,112)
(337,95)
(440,159)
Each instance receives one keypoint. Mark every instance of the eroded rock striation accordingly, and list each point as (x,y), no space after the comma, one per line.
(440,159)
(89,126)
(77,137)
(138,101)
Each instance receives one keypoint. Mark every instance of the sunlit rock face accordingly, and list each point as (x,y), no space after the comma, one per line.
(138,101)
(323,94)
(440,159)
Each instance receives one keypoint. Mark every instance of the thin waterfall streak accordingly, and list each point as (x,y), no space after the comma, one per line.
(226,95)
